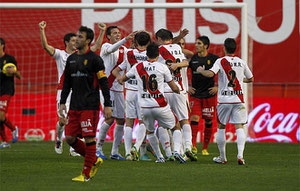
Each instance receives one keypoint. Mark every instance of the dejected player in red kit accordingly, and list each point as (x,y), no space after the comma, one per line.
(83,73)
(8,68)
(202,92)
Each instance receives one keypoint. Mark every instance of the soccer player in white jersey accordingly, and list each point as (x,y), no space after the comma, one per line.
(60,57)
(172,55)
(151,76)
(132,109)
(231,106)
(112,54)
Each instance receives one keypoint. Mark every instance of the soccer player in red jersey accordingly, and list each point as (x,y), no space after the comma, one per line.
(7,90)
(83,73)
(233,72)
(202,92)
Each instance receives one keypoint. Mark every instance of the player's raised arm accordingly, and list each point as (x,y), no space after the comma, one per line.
(50,49)
(118,44)
(99,40)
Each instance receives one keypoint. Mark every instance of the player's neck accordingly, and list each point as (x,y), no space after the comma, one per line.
(202,53)
(141,48)
(83,50)
(69,51)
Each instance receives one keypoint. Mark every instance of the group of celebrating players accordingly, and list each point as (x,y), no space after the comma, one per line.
(157,89)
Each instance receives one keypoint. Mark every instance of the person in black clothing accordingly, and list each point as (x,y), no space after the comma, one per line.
(83,73)
(202,92)
(8,70)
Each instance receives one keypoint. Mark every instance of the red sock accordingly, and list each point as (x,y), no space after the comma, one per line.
(194,126)
(79,146)
(8,123)
(207,136)
(2,133)
(89,158)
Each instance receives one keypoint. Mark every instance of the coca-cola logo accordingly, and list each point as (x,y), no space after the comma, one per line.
(279,126)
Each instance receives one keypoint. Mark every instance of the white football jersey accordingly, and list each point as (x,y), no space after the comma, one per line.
(132,56)
(232,71)
(172,53)
(151,77)
(60,57)
(111,61)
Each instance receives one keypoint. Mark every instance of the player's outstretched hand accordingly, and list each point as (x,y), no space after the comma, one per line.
(183,33)
(102,26)
(107,112)
(213,90)
(173,66)
(42,25)
(131,35)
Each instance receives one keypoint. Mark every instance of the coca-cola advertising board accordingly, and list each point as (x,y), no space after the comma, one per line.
(274,120)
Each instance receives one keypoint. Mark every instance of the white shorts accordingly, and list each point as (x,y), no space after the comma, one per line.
(163,115)
(235,113)
(117,101)
(132,107)
(67,102)
(178,104)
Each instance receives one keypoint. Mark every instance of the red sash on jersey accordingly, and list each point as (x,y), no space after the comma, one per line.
(111,77)
(61,81)
(141,71)
(131,58)
(227,67)
(168,56)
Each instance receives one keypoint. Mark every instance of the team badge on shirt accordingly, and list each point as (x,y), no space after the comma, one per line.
(208,62)
(85,62)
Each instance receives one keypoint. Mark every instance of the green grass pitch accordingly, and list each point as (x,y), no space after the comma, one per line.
(34,166)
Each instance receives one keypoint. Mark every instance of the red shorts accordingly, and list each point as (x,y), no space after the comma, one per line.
(4,102)
(206,106)
(82,123)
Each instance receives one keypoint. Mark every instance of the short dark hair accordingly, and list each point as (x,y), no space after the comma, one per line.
(142,38)
(108,30)
(89,33)
(152,50)
(68,37)
(205,40)
(2,42)
(230,45)
(164,34)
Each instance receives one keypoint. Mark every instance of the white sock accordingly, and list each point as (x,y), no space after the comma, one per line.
(171,139)
(102,135)
(143,149)
(140,136)
(240,140)
(187,136)
(127,139)
(177,138)
(118,135)
(221,141)
(154,144)
(59,131)
(164,139)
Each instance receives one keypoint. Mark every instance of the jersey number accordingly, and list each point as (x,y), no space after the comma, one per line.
(232,76)
(169,61)
(149,83)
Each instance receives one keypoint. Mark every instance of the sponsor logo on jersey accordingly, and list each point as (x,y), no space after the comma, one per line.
(79,74)
(86,123)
